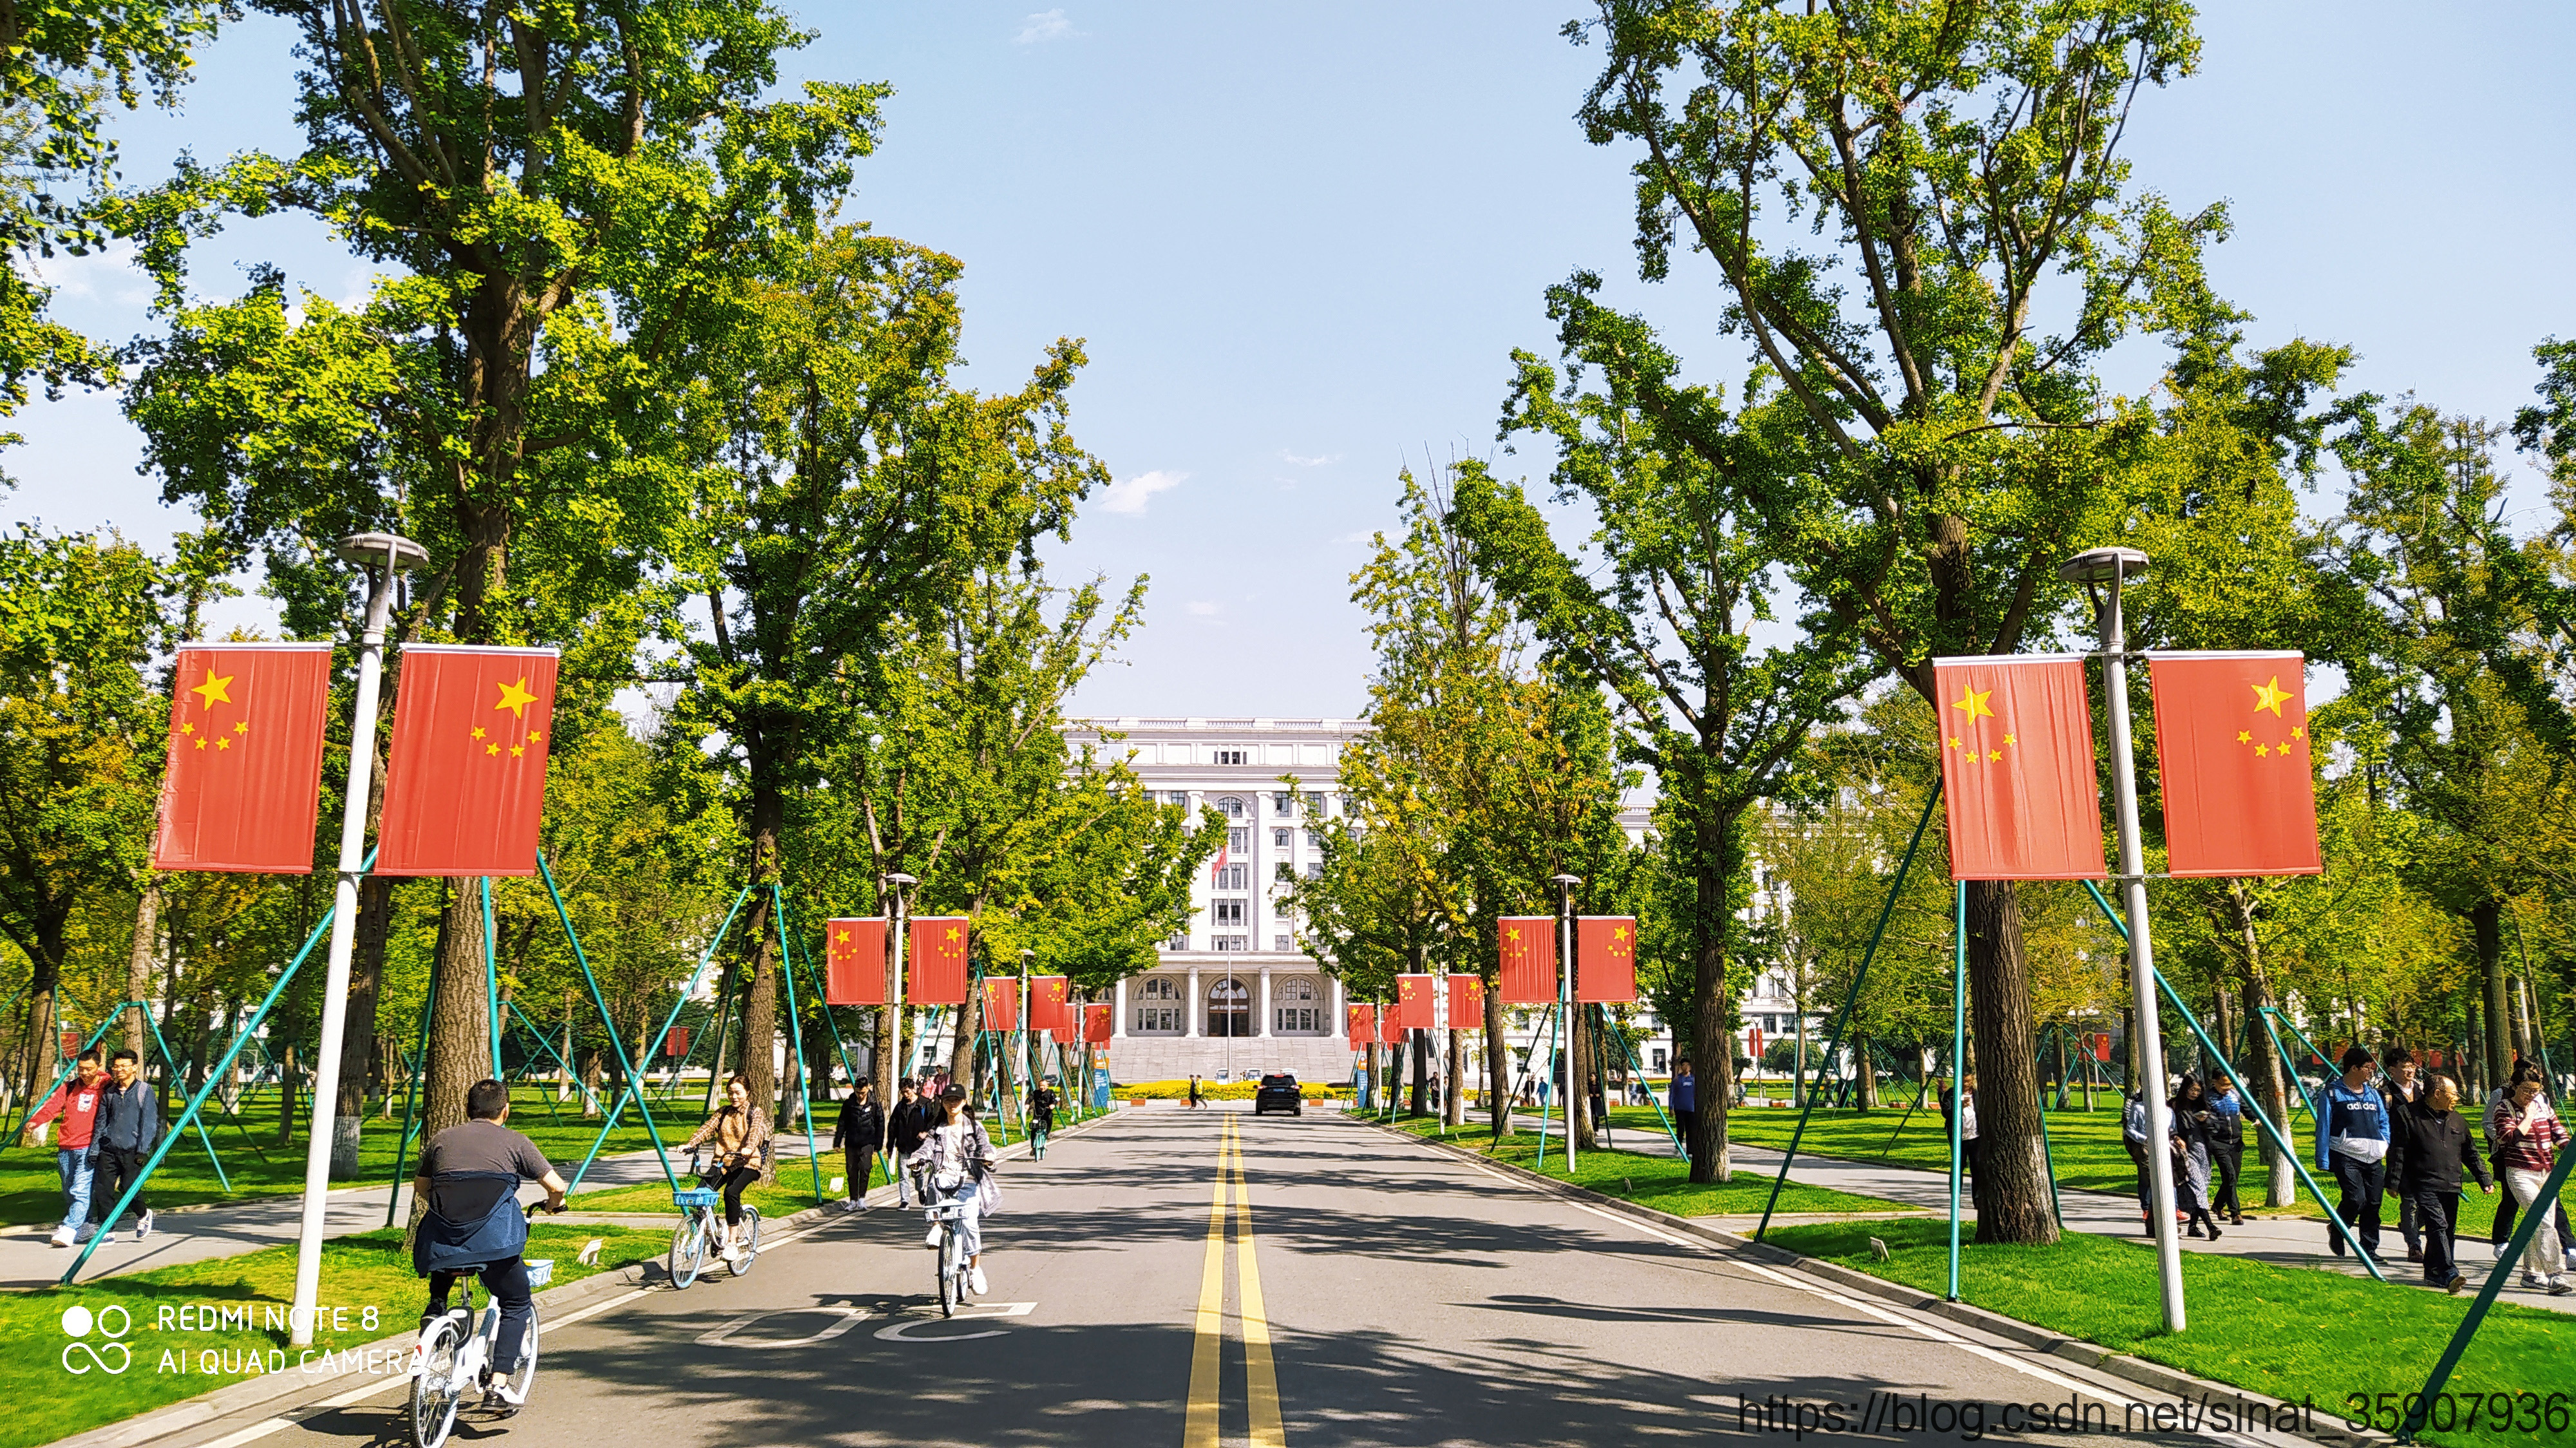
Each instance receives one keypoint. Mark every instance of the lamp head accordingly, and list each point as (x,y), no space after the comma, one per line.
(373,550)
(2103,565)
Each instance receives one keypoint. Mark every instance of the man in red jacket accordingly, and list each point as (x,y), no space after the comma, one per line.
(77,1104)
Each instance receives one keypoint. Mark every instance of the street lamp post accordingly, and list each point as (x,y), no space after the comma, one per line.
(1565,996)
(2094,569)
(898,915)
(1028,1038)
(383,555)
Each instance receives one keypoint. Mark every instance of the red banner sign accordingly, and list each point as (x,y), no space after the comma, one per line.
(1002,1003)
(2018,784)
(1412,1009)
(1605,960)
(2232,744)
(1528,975)
(1359,1024)
(244,780)
(854,961)
(1466,1003)
(1047,1009)
(466,780)
(935,962)
(1096,1024)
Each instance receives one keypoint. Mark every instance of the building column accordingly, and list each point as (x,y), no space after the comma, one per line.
(1194,1009)
(1335,1022)
(1118,1013)
(1261,1021)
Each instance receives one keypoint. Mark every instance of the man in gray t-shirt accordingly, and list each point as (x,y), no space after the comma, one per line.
(484,1143)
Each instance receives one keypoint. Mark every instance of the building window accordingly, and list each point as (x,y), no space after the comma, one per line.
(1661,1066)
(1229,1008)
(1178,942)
(1279,839)
(1158,1006)
(1226,912)
(1283,805)
(1230,807)
(1181,797)
(1234,877)
(1295,1009)
(1229,756)
(1282,942)
(1231,942)
(1238,841)
(1314,869)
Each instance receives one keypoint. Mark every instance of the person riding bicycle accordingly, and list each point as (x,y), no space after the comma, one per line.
(740,1132)
(469,1183)
(1041,1120)
(955,1158)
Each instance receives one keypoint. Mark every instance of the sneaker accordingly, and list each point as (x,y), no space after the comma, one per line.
(2531,1279)
(931,1240)
(2414,1254)
(2213,1229)
(498,1404)
(143,1228)
(975,1282)
(2558,1287)
(63,1238)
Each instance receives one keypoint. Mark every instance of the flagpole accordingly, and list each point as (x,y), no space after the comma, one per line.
(1565,997)
(894,989)
(2095,568)
(382,555)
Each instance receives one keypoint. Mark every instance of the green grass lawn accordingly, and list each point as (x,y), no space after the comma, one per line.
(2085,1146)
(362,1275)
(1661,1182)
(2289,1333)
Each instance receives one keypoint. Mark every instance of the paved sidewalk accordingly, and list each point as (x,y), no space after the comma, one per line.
(29,1259)
(2281,1241)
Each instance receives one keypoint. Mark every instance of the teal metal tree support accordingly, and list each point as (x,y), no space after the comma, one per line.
(822,1002)
(1548,1074)
(214,1078)
(796,1038)
(2334,1218)
(1851,1006)
(1638,1067)
(492,979)
(634,1090)
(411,1092)
(1958,1038)
(2537,1219)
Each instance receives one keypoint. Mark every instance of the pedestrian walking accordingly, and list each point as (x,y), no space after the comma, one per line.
(128,1127)
(2401,1089)
(2437,1144)
(859,1134)
(2193,1129)
(905,1126)
(2133,1139)
(1963,1100)
(2227,1147)
(75,1150)
(1194,1093)
(2507,1211)
(1684,1097)
(2352,1142)
(2529,1138)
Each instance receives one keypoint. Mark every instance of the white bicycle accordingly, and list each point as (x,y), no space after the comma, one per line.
(453,1360)
(945,1214)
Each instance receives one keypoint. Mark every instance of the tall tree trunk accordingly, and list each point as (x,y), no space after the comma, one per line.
(138,966)
(366,993)
(724,1038)
(1418,1046)
(1868,1072)
(286,1096)
(2486,921)
(460,1028)
(2012,1166)
(1453,1102)
(760,1003)
(881,1054)
(1586,1054)
(2271,1087)
(43,1019)
(1712,1048)
(1498,1060)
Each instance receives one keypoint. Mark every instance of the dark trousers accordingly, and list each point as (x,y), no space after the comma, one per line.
(731,1184)
(508,1283)
(2146,1189)
(117,1169)
(860,1160)
(2362,1182)
(2227,1162)
(2437,1219)
(2409,1209)
(1685,1121)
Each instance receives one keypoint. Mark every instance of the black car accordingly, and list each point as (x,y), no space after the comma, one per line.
(1278,1091)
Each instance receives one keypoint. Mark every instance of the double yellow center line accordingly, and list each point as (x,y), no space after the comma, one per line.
(1261,1377)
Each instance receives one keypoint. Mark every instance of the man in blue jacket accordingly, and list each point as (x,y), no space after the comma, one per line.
(129,1126)
(2352,1142)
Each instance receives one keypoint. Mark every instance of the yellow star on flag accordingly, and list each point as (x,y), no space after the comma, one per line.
(842,937)
(1974,702)
(223,744)
(1513,934)
(516,698)
(952,932)
(1993,754)
(201,744)
(1954,741)
(2243,737)
(2298,732)
(2262,751)
(241,728)
(478,731)
(491,748)
(187,728)
(214,691)
(2271,695)
(2008,739)
(534,737)
(518,750)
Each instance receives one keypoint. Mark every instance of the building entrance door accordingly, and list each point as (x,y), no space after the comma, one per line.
(1229,1011)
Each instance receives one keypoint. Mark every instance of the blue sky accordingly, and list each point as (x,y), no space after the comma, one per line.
(1301,242)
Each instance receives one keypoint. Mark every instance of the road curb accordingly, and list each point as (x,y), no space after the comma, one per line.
(285,1392)
(2325,1427)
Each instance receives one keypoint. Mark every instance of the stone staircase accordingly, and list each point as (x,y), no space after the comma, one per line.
(1134,1059)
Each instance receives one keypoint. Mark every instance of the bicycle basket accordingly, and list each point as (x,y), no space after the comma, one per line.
(541,1270)
(689,1199)
(944,1212)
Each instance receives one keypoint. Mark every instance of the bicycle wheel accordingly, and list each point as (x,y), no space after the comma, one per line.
(435,1393)
(688,1251)
(951,1269)
(526,1377)
(741,1265)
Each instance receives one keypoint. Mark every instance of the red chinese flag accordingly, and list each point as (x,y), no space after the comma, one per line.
(677,1042)
(1529,960)
(1390,1030)
(935,962)
(2101,1045)
(1756,1052)
(1466,1003)
(854,961)
(2232,742)
(2017,776)
(1605,959)
(1095,1025)
(1412,1011)
(1359,1023)
(1002,1004)
(466,780)
(1047,1010)
(245,773)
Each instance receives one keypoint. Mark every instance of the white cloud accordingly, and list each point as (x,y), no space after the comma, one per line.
(1293,459)
(1045,25)
(1129,495)
(1200,609)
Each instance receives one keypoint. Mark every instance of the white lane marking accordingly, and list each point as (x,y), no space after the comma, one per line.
(596,1308)
(252,1434)
(850,1317)
(902,1331)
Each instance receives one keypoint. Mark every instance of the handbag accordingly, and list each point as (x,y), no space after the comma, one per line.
(988,1197)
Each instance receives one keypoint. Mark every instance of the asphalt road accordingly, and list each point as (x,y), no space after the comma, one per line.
(1397,1296)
